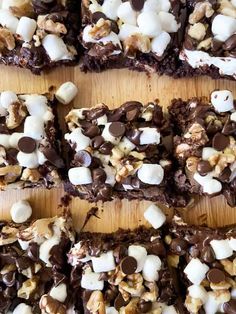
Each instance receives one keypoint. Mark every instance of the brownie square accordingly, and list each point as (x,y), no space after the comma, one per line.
(205,145)
(209,44)
(39,35)
(142,35)
(120,153)
(122,272)
(29,146)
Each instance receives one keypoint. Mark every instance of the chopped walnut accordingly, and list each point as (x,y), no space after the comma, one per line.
(24,8)
(126,170)
(125,295)
(230,267)
(191,164)
(10,173)
(116,154)
(182,149)
(196,133)
(224,285)
(193,305)
(137,155)
(96,304)
(133,284)
(31,175)
(50,26)
(136,42)
(221,296)
(227,8)
(115,276)
(197,31)
(28,288)
(101,29)
(152,294)
(132,307)
(201,10)
(48,305)
(205,44)
(16,114)
(173,260)
(2,155)
(7,269)
(7,39)
(8,235)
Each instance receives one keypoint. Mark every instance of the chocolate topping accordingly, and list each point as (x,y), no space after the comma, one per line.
(204,167)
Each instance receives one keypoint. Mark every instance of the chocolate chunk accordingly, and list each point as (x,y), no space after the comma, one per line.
(225,175)
(215,276)
(179,246)
(119,252)
(204,167)
(137,5)
(105,192)
(220,141)
(117,129)
(83,158)
(134,136)
(156,247)
(99,176)
(53,157)
(119,302)
(33,251)
(97,16)
(92,131)
(27,145)
(106,148)
(97,141)
(128,265)
(230,307)
(207,254)
(144,306)
(230,43)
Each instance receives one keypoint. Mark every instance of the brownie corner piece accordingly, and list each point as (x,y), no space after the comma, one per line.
(123,272)
(29,143)
(141,35)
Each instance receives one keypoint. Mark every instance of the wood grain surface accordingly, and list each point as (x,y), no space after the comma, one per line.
(113,88)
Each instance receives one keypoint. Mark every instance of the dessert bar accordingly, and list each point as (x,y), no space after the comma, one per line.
(37,34)
(120,153)
(29,146)
(205,145)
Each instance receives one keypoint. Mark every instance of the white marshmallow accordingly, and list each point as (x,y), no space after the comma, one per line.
(126,14)
(152,6)
(208,152)
(233,116)
(95,7)
(45,248)
(221,249)
(196,271)
(111,310)
(223,27)
(5,140)
(66,93)
(149,136)
(59,293)
(151,174)
(111,38)
(34,127)
(41,157)
(126,146)
(90,281)
(35,104)
(28,160)
(26,28)
(233,293)
(7,98)
(110,7)
(140,254)
(78,138)
(168,22)
(107,135)
(14,139)
(149,24)
(23,308)
(198,292)
(56,48)
(3,111)
(80,175)
(8,20)
(104,263)
(212,304)
(222,100)
(212,186)
(21,211)
(110,172)
(127,30)
(23,244)
(151,267)
(102,120)
(169,309)
(155,216)
(232,243)
(159,43)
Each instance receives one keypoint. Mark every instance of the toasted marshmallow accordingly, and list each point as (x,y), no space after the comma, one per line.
(110,8)
(7,98)
(169,309)
(104,263)
(90,281)
(21,211)
(212,186)
(78,138)
(26,28)
(80,176)
(196,271)
(59,293)
(223,27)
(56,48)
(159,43)
(126,14)
(23,308)
(66,93)
(155,216)
(140,254)
(149,24)
(222,100)
(151,174)
(151,267)
(149,136)
(221,249)
(232,243)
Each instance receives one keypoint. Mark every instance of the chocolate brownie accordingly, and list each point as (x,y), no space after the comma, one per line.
(143,35)
(34,275)
(210,41)
(120,153)
(29,149)
(39,34)
(204,260)
(123,272)
(205,145)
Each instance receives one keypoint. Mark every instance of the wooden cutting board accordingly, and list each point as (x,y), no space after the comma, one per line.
(113,88)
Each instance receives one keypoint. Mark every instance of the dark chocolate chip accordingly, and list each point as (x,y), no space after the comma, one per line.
(204,167)
(156,247)
(144,306)
(230,43)
(53,157)
(110,294)
(225,175)
(207,254)
(215,275)
(97,16)
(99,176)
(119,302)
(119,253)
(97,141)
(117,129)
(229,127)
(230,307)
(220,141)
(179,246)
(27,145)
(137,5)
(128,265)
(106,148)
(33,251)
(134,136)
(230,197)
(83,158)
(92,131)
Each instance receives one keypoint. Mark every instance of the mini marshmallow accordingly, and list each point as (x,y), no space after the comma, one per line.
(126,146)
(198,292)
(102,120)
(110,8)
(35,104)
(196,271)
(80,176)
(78,138)
(110,172)
(151,267)
(152,6)
(223,27)
(221,249)
(168,22)
(149,24)
(7,98)
(21,211)
(5,140)
(41,157)
(208,152)
(26,28)
(59,293)
(23,244)
(155,216)
(28,160)
(159,43)
(151,174)
(233,116)
(233,293)
(126,14)
(232,243)
(3,111)
(90,281)
(202,180)
(34,127)
(107,135)
(23,308)
(212,186)
(56,48)
(212,304)
(149,136)
(127,30)
(111,310)
(140,254)
(8,20)
(14,139)
(95,7)
(222,100)
(169,309)
(104,263)
(66,93)
(45,248)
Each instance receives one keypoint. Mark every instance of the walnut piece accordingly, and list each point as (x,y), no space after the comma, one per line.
(132,307)
(136,42)
(152,294)
(7,39)
(205,44)
(48,305)
(227,8)
(96,304)
(31,175)
(193,305)
(16,114)
(24,8)
(101,29)
(133,284)
(8,235)
(230,267)
(173,260)
(2,155)
(201,10)
(197,31)
(45,23)
(191,163)
(28,288)
(126,170)
(116,276)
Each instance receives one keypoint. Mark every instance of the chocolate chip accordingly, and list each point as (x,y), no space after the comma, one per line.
(144,306)
(229,127)
(119,302)
(215,275)
(92,131)
(220,141)
(230,307)
(134,136)
(53,157)
(99,176)
(207,254)
(179,246)
(117,129)
(106,148)
(27,145)
(97,141)
(128,265)
(203,167)
(83,158)
(97,16)
(137,5)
